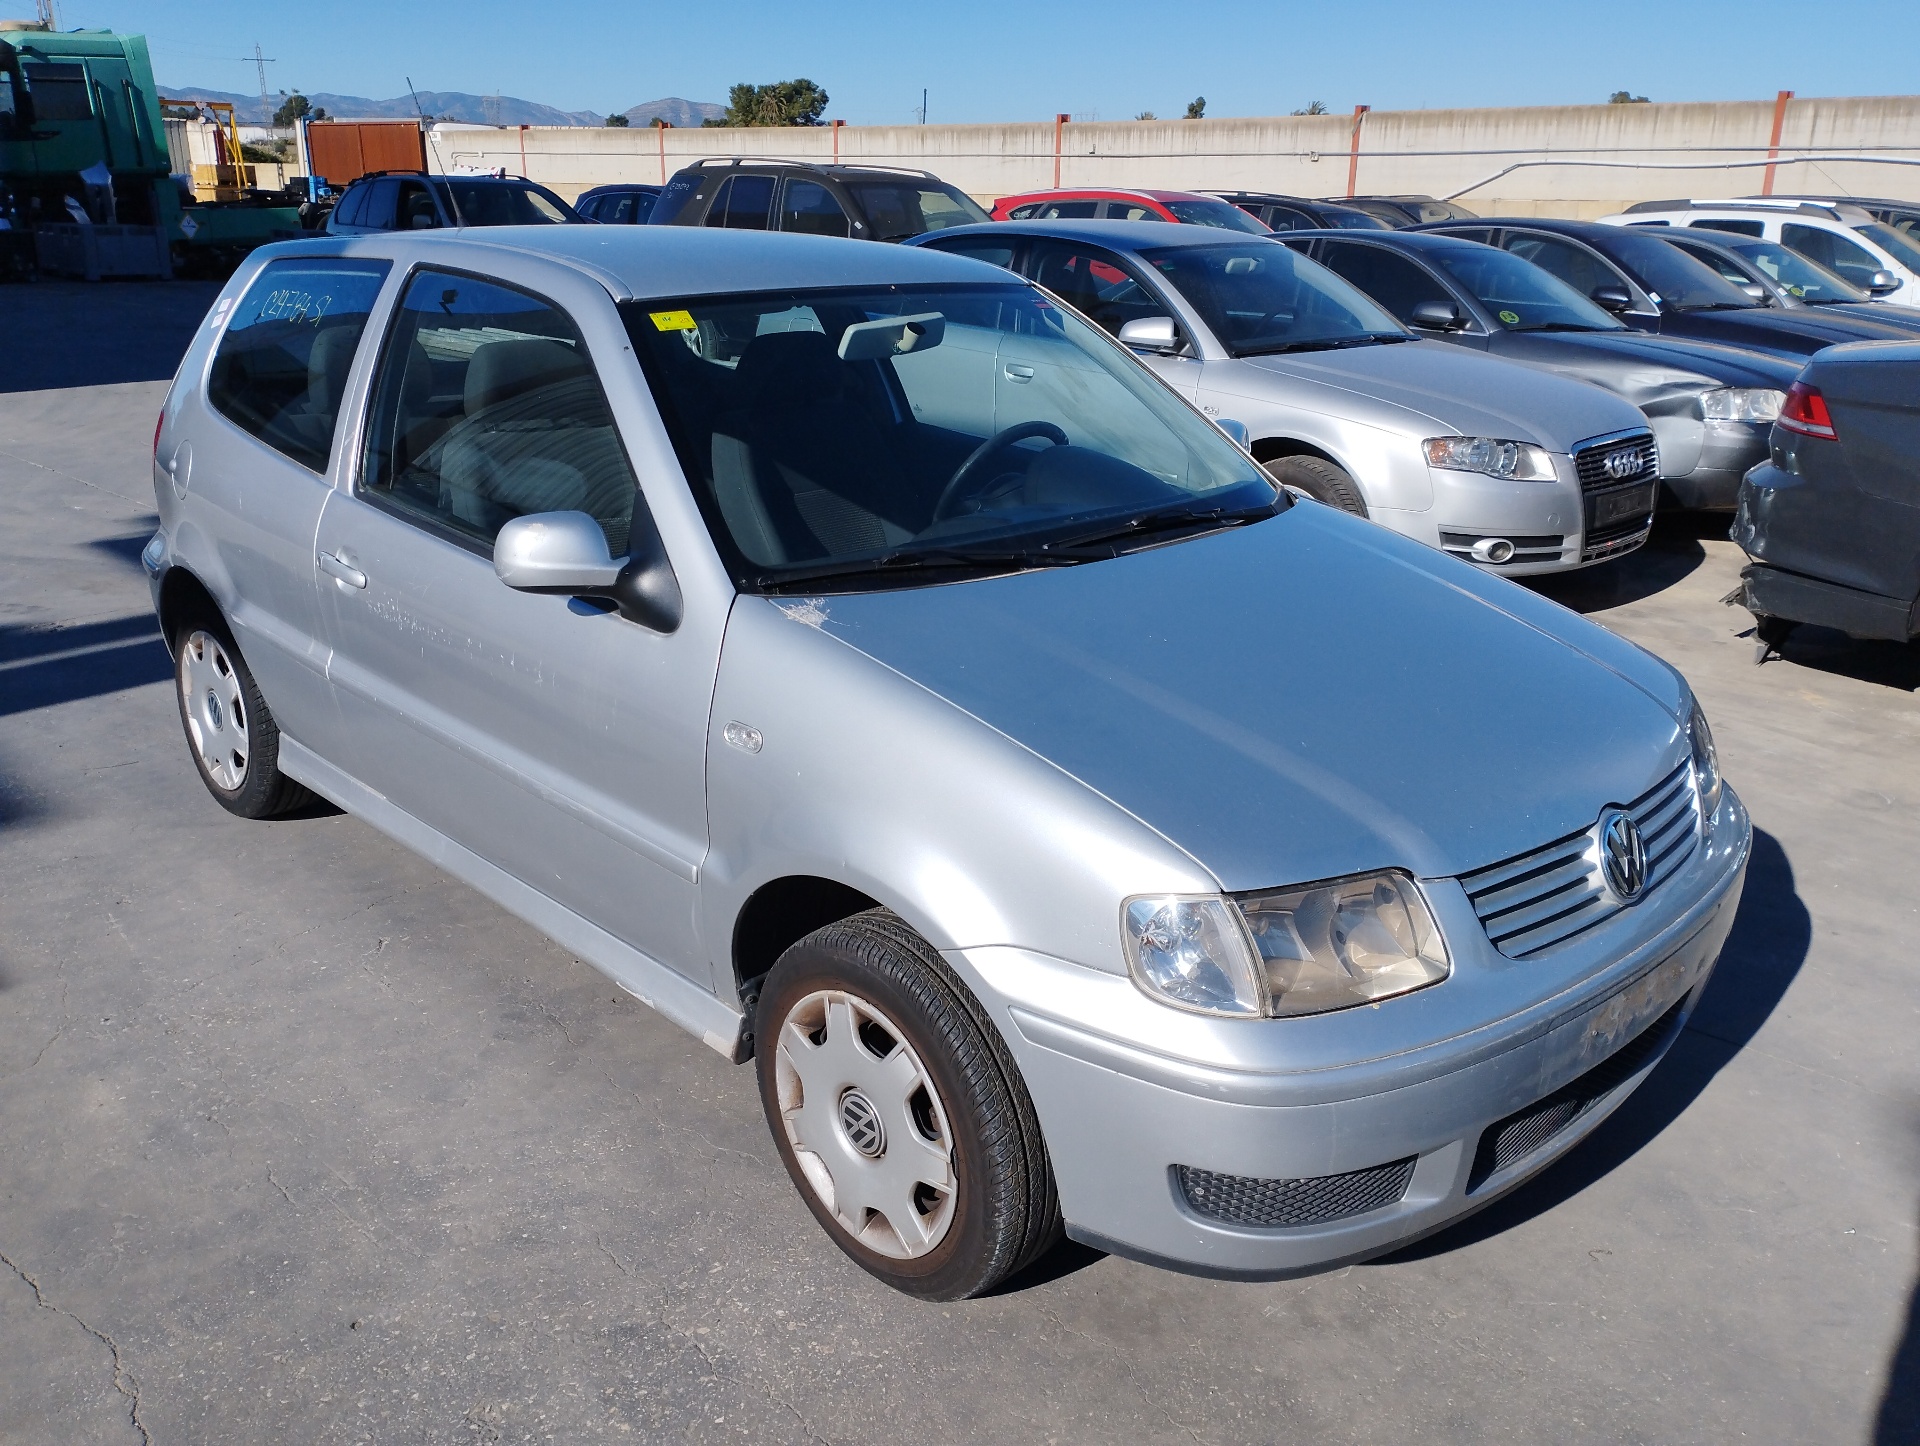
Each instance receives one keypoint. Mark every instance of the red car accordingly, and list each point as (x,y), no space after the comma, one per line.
(1117,204)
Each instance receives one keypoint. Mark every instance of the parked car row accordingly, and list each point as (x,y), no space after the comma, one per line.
(860,656)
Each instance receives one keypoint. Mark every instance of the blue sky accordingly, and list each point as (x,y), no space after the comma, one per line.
(993,60)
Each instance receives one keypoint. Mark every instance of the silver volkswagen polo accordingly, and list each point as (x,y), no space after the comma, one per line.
(873,667)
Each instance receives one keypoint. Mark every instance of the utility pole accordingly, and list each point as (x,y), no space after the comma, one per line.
(44,12)
(923,105)
(261,61)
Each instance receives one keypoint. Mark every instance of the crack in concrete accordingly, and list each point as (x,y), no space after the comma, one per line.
(124,1381)
(281,1188)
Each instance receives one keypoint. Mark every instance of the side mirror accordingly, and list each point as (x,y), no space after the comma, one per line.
(1436,316)
(1612,298)
(1882,283)
(565,553)
(1236,430)
(1150,333)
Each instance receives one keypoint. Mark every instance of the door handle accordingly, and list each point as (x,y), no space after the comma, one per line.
(342,570)
(1017,372)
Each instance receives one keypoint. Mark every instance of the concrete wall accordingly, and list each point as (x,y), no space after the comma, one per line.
(1601,156)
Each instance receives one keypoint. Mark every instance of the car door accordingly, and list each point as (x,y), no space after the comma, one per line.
(743,203)
(253,480)
(1109,290)
(1584,270)
(811,209)
(1825,246)
(549,736)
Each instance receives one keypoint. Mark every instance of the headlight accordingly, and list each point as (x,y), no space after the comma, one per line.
(1193,952)
(1706,761)
(1741,404)
(1517,461)
(1286,952)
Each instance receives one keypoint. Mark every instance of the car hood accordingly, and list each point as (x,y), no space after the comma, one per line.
(1448,390)
(1636,362)
(1303,698)
(1797,333)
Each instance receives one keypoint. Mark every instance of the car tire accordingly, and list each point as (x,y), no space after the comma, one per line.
(230,731)
(900,1113)
(1321,480)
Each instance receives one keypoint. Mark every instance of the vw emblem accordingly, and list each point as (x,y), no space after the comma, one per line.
(1621,463)
(1623,856)
(861,1121)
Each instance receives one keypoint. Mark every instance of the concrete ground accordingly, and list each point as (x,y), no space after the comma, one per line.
(302,1141)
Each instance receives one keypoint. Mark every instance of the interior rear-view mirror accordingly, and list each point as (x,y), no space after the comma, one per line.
(892,336)
(421,222)
(1612,298)
(1435,316)
(1150,333)
(1754,289)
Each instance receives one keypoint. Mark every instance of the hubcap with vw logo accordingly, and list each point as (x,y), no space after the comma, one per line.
(1623,856)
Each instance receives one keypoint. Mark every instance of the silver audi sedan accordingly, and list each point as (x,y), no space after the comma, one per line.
(868,663)
(1502,465)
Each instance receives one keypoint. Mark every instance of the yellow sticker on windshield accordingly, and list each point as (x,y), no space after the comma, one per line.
(674,321)
(1511,318)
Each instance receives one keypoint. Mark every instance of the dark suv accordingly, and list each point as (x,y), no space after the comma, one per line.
(868,203)
(416,201)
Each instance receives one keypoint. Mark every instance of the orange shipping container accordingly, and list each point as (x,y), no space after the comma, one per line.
(343,151)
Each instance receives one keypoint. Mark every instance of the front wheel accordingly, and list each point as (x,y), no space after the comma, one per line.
(1321,480)
(899,1112)
(230,732)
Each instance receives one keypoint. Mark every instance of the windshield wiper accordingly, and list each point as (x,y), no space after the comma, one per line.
(894,563)
(1152,524)
(1327,343)
(1566,326)
(1720,306)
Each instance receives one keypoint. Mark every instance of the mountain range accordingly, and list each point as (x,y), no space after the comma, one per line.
(506,110)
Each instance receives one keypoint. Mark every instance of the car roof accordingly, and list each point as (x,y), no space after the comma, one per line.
(1120,235)
(1068,192)
(640,262)
(1425,241)
(1275,197)
(1804,206)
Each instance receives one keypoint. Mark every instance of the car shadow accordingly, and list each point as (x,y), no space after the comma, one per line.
(1898,1421)
(1889,664)
(127,549)
(1771,934)
(1671,552)
(89,333)
(1068,1257)
(42,667)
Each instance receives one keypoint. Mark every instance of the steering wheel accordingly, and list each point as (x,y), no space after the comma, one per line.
(969,470)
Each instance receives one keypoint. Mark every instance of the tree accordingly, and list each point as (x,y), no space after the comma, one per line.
(618,120)
(1626,97)
(1312,107)
(1146,115)
(783,103)
(293,110)
(1197,108)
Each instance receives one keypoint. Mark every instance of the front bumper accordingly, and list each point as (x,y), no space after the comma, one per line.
(1547,522)
(1122,1115)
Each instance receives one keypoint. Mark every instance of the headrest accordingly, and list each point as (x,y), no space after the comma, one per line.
(502,370)
(790,368)
(327,366)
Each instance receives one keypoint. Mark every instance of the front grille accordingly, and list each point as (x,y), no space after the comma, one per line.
(1545,548)
(1590,461)
(1521,1133)
(1541,899)
(1273,1204)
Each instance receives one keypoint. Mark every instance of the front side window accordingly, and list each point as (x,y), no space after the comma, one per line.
(1094,282)
(1131,211)
(1901,245)
(809,208)
(496,203)
(1523,296)
(486,408)
(1575,265)
(59,90)
(1260,299)
(1680,282)
(415,211)
(1395,282)
(907,434)
(1798,276)
(898,209)
(1069,211)
(1215,213)
(281,367)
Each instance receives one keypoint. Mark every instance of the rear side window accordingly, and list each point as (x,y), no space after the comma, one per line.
(1069,210)
(282,365)
(991,249)
(347,209)
(1738,228)
(743,205)
(487,408)
(809,208)
(383,198)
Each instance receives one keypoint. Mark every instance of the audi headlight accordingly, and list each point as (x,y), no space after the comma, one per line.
(1516,461)
(1741,404)
(1706,761)
(1283,952)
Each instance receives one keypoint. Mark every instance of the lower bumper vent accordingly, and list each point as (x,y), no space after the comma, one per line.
(1270,1204)
(1524,1131)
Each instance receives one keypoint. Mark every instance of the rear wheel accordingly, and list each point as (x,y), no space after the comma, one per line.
(899,1113)
(230,732)
(1321,480)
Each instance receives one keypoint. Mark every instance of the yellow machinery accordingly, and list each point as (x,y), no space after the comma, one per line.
(227,177)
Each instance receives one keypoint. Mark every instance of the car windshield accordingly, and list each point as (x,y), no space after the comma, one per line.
(891,436)
(1342,219)
(498,203)
(1673,278)
(1223,214)
(1523,296)
(899,209)
(1901,245)
(1796,275)
(1261,298)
